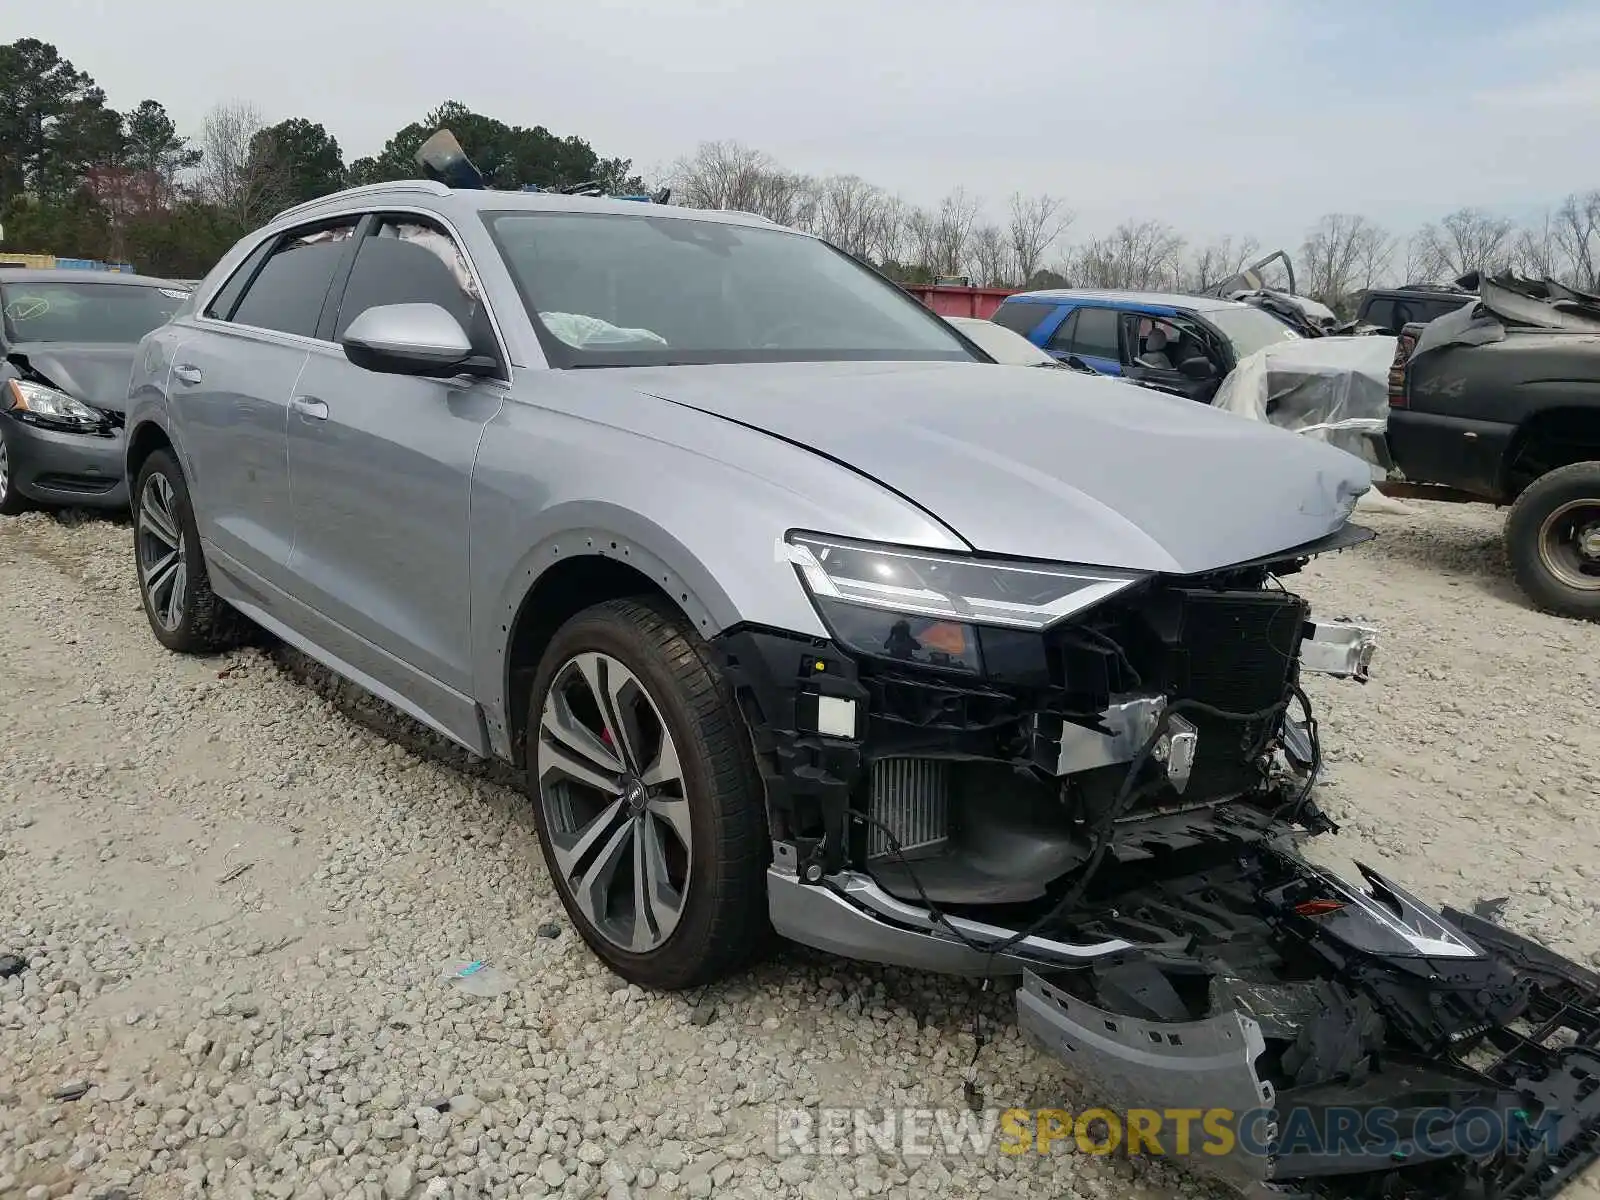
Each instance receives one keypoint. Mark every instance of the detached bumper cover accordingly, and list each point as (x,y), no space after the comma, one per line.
(1367,1074)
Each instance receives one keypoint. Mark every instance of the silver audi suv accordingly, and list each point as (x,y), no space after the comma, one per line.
(798,612)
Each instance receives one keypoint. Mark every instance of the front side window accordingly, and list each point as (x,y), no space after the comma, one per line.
(407,261)
(288,292)
(1096,334)
(66,311)
(610,290)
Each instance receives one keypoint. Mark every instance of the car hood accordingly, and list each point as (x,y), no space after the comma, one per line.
(95,372)
(1045,464)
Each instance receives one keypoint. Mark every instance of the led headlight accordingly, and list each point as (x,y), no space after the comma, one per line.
(929,607)
(41,405)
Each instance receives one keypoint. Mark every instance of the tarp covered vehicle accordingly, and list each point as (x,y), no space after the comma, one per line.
(1334,389)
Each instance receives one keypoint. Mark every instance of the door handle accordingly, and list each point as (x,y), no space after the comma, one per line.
(188,373)
(309,408)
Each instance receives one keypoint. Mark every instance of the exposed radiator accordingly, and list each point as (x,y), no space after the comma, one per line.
(911,796)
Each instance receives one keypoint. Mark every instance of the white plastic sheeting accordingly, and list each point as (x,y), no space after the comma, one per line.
(1334,389)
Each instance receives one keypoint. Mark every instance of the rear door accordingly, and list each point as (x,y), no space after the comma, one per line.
(381,467)
(1089,332)
(229,390)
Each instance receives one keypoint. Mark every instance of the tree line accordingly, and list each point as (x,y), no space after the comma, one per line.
(78,178)
(1027,246)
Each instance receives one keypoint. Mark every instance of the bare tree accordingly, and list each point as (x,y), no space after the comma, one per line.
(847,212)
(991,257)
(887,233)
(1217,261)
(1137,256)
(1535,250)
(247,187)
(1469,239)
(1577,233)
(952,232)
(1036,222)
(1342,252)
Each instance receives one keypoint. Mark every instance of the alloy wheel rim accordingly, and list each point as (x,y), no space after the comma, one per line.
(615,808)
(5,469)
(1568,541)
(163,553)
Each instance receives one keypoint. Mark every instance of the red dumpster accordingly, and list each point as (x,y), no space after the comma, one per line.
(949,300)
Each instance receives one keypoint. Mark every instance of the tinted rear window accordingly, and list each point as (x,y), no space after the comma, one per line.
(288,293)
(1022,316)
(85,312)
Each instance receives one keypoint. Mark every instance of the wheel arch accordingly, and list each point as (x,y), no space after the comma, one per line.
(1549,439)
(144,439)
(568,573)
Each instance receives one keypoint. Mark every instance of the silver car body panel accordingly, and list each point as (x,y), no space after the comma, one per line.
(690,474)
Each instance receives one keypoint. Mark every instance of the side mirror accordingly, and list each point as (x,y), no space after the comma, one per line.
(1196,368)
(410,339)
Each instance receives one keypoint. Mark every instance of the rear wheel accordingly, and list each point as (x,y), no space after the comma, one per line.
(1553,541)
(650,813)
(184,613)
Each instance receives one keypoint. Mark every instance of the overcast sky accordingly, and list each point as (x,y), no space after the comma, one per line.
(1220,116)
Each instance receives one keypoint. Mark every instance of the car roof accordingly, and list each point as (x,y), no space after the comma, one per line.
(77,275)
(458,200)
(1130,299)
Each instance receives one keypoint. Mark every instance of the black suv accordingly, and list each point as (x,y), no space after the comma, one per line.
(1392,309)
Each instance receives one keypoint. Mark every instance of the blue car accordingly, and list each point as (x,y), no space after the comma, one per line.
(1179,344)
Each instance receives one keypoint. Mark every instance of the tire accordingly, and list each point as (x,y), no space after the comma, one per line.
(658,671)
(197,621)
(1552,541)
(12,501)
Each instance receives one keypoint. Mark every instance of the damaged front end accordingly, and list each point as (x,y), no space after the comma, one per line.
(1095,780)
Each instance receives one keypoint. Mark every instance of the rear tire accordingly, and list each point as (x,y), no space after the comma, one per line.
(184,613)
(1552,541)
(608,820)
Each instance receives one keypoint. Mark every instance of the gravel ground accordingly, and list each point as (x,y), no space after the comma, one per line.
(236,881)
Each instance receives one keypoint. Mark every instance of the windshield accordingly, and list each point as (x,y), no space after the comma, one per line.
(612,290)
(1249,329)
(85,312)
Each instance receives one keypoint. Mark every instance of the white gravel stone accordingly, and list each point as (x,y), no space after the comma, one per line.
(285,1033)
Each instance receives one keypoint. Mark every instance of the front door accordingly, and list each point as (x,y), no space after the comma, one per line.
(381,473)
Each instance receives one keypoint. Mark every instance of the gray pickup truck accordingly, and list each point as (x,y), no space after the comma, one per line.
(1499,402)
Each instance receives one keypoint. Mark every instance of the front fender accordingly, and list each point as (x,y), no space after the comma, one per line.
(147,401)
(696,504)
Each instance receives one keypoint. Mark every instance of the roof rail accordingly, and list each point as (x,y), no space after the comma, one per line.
(366,189)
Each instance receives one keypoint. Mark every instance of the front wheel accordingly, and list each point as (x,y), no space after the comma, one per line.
(1553,541)
(12,501)
(650,812)
(184,613)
